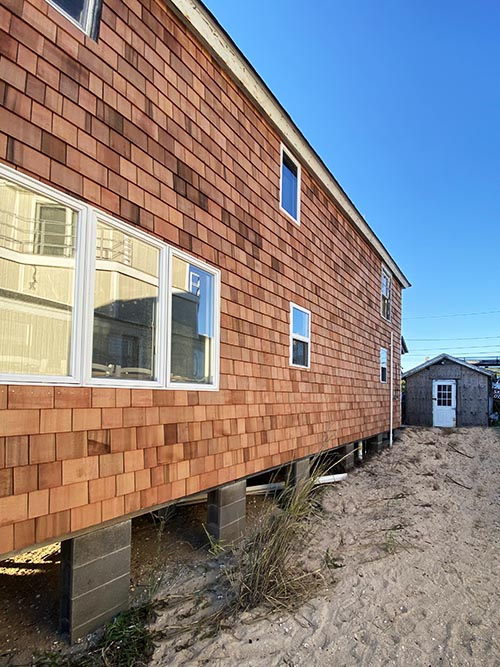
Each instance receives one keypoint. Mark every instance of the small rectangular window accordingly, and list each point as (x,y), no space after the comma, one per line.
(85,13)
(290,186)
(300,336)
(386,292)
(383,364)
(192,330)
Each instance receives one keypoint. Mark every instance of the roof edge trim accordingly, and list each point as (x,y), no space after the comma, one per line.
(200,20)
(441,357)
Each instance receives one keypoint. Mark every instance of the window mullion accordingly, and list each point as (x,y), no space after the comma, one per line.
(88,295)
(162,326)
(168,318)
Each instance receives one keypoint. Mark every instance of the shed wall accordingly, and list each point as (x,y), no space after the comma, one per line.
(473,392)
(145,125)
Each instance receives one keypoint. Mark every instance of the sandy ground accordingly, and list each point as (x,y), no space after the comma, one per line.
(30,582)
(418,531)
(416,528)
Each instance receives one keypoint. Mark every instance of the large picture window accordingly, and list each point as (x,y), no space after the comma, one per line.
(37,282)
(87,299)
(126,292)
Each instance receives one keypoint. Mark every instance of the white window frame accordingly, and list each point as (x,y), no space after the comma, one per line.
(304,339)
(284,151)
(91,10)
(194,386)
(160,333)
(83,304)
(388,275)
(383,366)
(77,332)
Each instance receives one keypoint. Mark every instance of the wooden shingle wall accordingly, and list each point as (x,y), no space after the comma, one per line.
(145,125)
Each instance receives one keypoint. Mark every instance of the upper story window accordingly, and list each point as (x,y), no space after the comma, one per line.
(300,336)
(386,294)
(383,364)
(290,186)
(85,13)
(87,299)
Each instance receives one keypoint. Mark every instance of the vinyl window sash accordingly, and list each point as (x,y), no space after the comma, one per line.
(299,337)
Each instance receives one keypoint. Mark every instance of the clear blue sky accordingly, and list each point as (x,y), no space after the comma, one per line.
(401,100)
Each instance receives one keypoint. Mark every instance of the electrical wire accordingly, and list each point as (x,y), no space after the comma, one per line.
(435,317)
(455,347)
(422,340)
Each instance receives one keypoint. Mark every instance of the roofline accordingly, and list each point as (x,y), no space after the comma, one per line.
(200,20)
(439,358)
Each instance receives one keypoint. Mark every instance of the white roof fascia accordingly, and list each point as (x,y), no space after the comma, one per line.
(200,20)
(441,357)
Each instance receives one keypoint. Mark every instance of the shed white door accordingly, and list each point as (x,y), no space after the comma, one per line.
(444,402)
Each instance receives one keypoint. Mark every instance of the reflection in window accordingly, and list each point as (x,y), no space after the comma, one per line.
(383,364)
(75,8)
(289,186)
(54,286)
(386,290)
(192,324)
(54,230)
(125,305)
(82,12)
(300,333)
(37,282)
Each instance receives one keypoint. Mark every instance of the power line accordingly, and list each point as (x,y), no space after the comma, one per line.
(453,354)
(421,340)
(434,317)
(455,347)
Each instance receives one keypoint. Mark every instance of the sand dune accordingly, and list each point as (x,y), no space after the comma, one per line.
(417,529)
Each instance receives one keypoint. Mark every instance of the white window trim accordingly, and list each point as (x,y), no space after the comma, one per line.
(194,386)
(284,150)
(91,9)
(294,336)
(98,216)
(381,365)
(82,330)
(388,274)
(87,26)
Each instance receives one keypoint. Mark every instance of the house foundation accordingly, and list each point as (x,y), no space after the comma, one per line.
(226,511)
(300,471)
(95,579)
(376,444)
(347,453)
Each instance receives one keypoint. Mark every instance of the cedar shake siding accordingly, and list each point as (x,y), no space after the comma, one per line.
(146,127)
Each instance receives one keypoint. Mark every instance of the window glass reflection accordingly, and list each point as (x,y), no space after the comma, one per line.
(125,306)
(192,324)
(289,186)
(37,282)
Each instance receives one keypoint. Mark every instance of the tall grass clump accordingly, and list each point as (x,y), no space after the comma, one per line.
(266,569)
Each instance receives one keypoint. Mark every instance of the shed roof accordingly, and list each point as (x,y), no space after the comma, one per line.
(203,23)
(447,357)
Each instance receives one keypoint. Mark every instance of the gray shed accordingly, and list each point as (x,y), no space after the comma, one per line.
(448,392)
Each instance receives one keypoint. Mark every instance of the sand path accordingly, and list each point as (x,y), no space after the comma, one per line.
(418,531)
